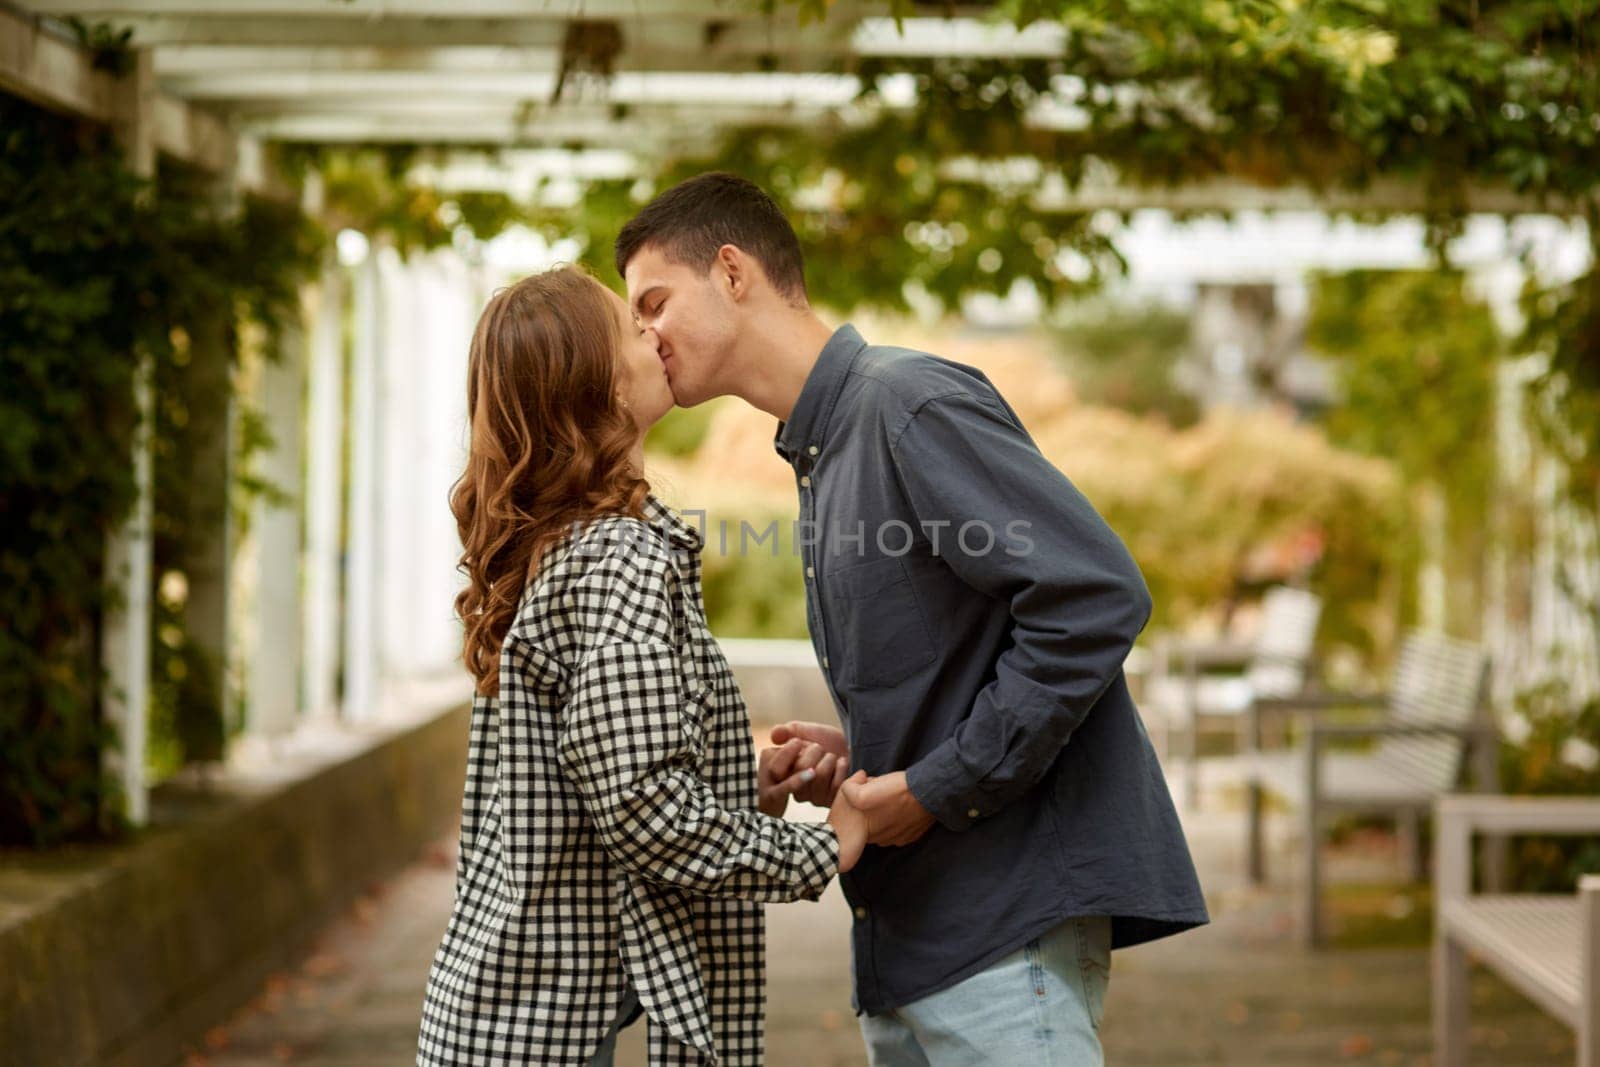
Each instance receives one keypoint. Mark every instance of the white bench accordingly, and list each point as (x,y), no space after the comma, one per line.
(1435,724)
(1188,690)
(1547,946)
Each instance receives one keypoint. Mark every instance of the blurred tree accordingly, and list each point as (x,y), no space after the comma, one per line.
(1416,359)
(1126,357)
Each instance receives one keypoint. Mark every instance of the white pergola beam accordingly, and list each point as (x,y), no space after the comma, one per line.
(372,10)
(968,38)
(1225,195)
(184,60)
(652,38)
(714,91)
(588,116)
(342,127)
(38,64)
(50,70)
(160,31)
(649,45)
(180,60)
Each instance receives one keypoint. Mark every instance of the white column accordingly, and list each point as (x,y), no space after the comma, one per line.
(273,621)
(125,647)
(444,454)
(324,492)
(407,305)
(362,544)
(430,311)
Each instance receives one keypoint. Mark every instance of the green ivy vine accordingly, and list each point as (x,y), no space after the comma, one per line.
(98,270)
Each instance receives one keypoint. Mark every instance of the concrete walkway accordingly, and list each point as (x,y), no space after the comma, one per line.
(1239,992)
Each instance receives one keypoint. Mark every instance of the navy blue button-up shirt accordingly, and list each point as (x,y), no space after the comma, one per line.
(972,613)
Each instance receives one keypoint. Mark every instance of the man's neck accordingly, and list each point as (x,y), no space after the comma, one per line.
(775,360)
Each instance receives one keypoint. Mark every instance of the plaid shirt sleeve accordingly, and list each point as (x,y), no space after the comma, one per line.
(632,744)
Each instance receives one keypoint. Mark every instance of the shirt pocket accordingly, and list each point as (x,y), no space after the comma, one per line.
(883,634)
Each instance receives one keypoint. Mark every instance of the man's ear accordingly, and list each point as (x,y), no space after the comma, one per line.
(734,270)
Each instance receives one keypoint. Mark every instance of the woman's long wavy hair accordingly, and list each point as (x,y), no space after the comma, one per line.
(549,445)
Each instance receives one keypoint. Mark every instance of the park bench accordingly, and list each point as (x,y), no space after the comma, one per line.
(1188,689)
(1545,945)
(1435,729)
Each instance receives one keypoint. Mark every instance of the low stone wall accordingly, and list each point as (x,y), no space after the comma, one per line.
(780,681)
(123,955)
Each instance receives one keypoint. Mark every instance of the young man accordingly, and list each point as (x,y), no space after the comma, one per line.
(971,613)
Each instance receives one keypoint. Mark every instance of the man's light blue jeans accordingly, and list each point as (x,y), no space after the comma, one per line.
(1040,1006)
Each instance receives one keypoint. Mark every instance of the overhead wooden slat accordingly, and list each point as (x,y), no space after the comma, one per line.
(48,69)
(346,128)
(752,90)
(652,40)
(661,57)
(37,63)
(368,10)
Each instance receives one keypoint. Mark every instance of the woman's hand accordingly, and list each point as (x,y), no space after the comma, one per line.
(818,742)
(850,823)
(807,760)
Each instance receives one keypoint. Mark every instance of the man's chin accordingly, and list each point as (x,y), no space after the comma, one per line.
(682,398)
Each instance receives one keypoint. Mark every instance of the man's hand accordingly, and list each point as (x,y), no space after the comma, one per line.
(894,816)
(809,761)
(850,825)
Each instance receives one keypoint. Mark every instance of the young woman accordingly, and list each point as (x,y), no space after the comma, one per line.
(613,861)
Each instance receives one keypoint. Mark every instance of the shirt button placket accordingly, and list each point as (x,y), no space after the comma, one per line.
(808,512)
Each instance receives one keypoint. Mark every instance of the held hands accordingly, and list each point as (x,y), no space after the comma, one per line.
(810,761)
(850,824)
(894,815)
(807,760)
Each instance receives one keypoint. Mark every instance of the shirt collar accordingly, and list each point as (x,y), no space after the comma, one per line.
(671,524)
(805,432)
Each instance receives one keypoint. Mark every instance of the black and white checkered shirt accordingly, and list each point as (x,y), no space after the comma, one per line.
(609,835)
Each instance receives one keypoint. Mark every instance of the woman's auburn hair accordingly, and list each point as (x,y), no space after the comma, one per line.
(548,446)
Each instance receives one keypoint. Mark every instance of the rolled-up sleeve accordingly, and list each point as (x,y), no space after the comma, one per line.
(629,744)
(1077,600)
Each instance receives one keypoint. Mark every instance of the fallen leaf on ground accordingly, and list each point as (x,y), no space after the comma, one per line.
(1355,1045)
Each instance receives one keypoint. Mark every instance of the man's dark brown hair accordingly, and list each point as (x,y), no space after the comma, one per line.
(690,221)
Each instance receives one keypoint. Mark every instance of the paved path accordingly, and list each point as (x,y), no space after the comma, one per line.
(1238,992)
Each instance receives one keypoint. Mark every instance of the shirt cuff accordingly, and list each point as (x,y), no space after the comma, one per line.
(947,788)
(819,857)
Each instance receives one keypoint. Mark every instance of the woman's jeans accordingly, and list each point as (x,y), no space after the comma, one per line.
(630,1010)
(1040,1006)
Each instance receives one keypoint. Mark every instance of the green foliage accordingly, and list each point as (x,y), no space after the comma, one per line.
(1443,92)
(65,425)
(1563,324)
(1416,359)
(876,207)
(373,189)
(753,590)
(1544,762)
(1125,358)
(1216,512)
(680,431)
(97,270)
(109,47)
